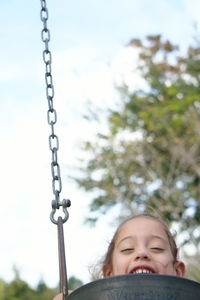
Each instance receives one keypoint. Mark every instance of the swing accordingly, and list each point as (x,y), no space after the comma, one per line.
(122,287)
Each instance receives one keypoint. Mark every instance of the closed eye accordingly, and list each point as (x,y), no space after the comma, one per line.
(127,250)
(157,249)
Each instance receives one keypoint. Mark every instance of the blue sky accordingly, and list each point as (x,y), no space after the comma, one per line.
(88,41)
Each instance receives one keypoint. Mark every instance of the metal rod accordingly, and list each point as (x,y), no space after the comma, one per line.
(62,260)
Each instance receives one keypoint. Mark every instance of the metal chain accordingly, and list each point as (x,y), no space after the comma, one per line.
(52,119)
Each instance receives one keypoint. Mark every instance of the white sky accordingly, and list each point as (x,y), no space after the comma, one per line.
(87,44)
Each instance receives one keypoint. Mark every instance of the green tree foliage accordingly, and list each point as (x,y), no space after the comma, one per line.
(74,283)
(18,289)
(2,288)
(150,156)
(192,266)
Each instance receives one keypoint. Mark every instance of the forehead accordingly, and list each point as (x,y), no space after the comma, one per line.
(142,226)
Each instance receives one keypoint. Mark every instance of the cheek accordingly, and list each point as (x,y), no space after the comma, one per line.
(165,265)
(165,258)
(119,263)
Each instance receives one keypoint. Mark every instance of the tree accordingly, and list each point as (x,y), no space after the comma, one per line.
(192,267)
(150,156)
(74,283)
(2,288)
(43,292)
(18,289)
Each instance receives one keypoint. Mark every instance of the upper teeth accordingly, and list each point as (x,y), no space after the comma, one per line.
(142,271)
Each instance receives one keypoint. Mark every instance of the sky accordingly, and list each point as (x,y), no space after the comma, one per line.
(88,44)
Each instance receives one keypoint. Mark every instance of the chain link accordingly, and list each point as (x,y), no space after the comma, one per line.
(52,119)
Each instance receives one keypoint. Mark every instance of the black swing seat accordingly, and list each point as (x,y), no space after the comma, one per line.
(139,287)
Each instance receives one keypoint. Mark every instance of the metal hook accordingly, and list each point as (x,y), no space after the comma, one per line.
(55,205)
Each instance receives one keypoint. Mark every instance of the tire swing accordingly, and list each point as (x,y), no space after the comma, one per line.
(123,287)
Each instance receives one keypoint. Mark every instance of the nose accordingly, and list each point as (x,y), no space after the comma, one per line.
(142,254)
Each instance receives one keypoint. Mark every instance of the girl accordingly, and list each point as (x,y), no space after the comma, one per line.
(142,244)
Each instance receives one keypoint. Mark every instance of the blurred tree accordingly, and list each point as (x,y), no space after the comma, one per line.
(44,292)
(74,283)
(150,156)
(18,289)
(192,266)
(2,288)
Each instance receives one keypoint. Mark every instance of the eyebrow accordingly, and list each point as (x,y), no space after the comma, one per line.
(158,237)
(151,238)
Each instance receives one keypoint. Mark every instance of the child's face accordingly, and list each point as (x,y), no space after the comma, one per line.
(142,246)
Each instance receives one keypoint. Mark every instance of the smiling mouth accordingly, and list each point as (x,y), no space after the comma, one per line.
(142,271)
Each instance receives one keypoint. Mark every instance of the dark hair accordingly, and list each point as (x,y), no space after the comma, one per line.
(107,260)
